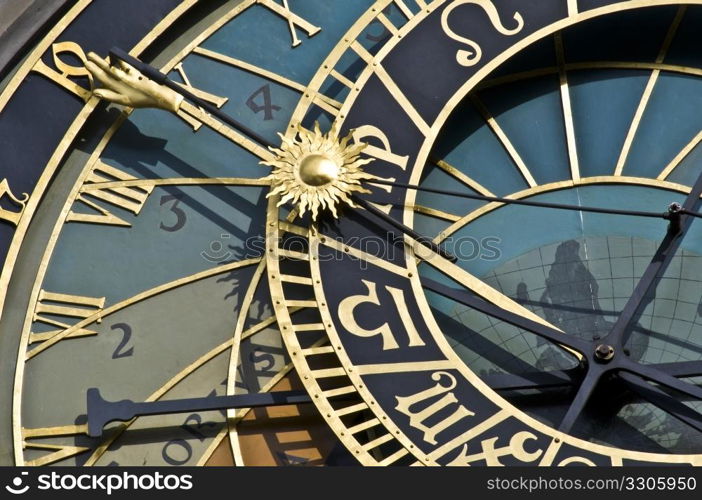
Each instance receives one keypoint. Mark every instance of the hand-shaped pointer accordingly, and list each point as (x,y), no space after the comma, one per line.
(117,54)
(124,72)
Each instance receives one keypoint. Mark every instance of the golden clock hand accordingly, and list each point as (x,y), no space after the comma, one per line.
(482,289)
(126,86)
(131,82)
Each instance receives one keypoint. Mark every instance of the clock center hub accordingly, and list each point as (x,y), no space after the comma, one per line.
(318,170)
(604,352)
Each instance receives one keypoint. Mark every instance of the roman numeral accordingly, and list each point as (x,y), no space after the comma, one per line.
(63,70)
(57,452)
(64,305)
(213,99)
(295,22)
(130,198)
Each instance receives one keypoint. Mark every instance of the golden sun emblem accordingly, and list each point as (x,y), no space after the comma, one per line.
(317,171)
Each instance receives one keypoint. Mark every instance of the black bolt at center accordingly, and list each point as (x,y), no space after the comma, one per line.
(604,352)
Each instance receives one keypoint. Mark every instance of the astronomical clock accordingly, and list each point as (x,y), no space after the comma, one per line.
(338,232)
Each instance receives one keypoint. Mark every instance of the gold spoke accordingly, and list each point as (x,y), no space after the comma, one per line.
(323,101)
(582,66)
(438,214)
(506,143)
(177,181)
(227,132)
(461,177)
(680,157)
(648,91)
(567,109)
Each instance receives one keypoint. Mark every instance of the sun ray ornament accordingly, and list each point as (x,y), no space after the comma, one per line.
(317,171)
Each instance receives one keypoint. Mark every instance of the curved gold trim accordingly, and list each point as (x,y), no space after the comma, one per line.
(648,92)
(582,66)
(234,416)
(234,358)
(100,315)
(616,454)
(19,370)
(40,48)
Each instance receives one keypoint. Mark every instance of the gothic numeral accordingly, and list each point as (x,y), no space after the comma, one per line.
(432,401)
(123,350)
(8,215)
(267,106)
(491,453)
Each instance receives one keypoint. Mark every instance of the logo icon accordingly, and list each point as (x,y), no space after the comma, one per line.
(17,483)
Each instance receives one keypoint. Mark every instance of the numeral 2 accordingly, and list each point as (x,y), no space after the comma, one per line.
(120,351)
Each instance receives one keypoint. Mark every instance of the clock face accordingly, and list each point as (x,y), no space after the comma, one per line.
(377,203)
(136,265)
(558,336)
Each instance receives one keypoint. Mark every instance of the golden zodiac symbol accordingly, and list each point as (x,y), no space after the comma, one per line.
(471,57)
(7,215)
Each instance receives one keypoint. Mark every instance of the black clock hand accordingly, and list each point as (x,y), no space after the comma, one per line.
(617,337)
(101,412)
(662,400)
(677,229)
(598,363)
(634,328)
(160,78)
(540,204)
(554,378)
(468,299)
(422,240)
